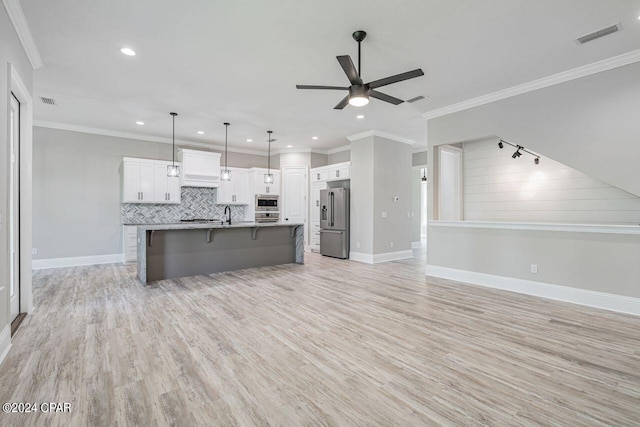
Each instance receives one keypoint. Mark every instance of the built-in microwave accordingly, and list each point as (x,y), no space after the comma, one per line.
(266,202)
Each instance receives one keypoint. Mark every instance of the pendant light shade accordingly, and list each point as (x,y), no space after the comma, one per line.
(225,174)
(268,177)
(173,170)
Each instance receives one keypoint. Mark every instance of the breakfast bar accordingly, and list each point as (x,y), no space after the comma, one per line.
(170,251)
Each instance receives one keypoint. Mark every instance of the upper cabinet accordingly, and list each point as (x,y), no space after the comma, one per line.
(237,191)
(259,187)
(146,181)
(199,168)
(335,172)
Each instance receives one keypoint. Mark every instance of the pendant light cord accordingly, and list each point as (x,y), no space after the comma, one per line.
(226,134)
(173,138)
(269,155)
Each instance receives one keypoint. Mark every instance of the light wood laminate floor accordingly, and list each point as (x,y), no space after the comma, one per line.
(326,343)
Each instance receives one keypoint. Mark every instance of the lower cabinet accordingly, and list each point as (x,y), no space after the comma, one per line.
(130,243)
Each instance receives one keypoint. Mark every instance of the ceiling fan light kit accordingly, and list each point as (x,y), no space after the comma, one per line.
(360,92)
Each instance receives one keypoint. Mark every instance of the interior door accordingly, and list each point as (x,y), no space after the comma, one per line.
(14,207)
(294,197)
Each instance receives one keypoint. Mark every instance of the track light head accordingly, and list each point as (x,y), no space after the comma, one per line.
(516,154)
(536,160)
(500,144)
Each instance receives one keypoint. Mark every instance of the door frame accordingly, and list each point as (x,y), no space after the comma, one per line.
(19,89)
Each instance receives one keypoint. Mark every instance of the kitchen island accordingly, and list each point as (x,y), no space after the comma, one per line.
(170,251)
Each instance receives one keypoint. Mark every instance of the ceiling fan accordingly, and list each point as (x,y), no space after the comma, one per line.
(359,92)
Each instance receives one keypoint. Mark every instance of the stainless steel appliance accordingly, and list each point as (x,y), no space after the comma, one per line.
(266,202)
(267,209)
(334,222)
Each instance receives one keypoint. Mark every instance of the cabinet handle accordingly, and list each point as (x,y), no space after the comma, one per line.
(318,177)
(317,203)
(139,196)
(337,174)
(267,189)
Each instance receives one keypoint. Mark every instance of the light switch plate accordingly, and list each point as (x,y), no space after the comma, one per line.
(383,215)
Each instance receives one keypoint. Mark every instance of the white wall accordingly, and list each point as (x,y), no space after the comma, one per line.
(590,124)
(499,188)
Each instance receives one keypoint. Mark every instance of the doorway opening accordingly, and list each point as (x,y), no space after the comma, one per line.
(14,213)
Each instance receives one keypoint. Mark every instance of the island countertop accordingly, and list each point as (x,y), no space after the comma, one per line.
(208,225)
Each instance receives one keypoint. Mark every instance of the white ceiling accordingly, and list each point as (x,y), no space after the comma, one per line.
(239,61)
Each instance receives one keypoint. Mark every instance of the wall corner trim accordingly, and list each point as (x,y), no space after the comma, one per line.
(380,134)
(5,342)
(602,300)
(41,264)
(20,23)
(554,79)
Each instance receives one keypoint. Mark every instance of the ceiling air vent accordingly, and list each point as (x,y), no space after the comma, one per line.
(600,33)
(48,101)
(417,98)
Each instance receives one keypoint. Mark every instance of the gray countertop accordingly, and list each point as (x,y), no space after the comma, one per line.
(208,225)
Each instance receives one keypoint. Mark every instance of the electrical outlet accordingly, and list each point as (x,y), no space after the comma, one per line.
(383,214)
(34,251)
(534,268)
(396,198)
(358,245)
(391,244)
(408,214)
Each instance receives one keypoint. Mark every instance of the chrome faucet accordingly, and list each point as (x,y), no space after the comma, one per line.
(228,217)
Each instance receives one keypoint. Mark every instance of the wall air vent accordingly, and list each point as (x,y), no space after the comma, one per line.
(600,33)
(417,98)
(48,101)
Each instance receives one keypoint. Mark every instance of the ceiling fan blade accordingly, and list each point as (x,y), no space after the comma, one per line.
(321,87)
(384,97)
(349,69)
(342,103)
(397,78)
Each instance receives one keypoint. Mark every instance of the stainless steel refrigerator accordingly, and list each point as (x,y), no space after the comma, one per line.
(334,222)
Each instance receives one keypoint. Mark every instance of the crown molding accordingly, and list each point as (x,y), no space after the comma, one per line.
(339,149)
(19,21)
(565,76)
(141,137)
(380,134)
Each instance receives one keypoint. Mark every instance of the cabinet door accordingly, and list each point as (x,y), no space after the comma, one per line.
(160,184)
(319,175)
(225,191)
(146,181)
(173,188)
(294,195)
(315,203)
(241,187)
(131,187)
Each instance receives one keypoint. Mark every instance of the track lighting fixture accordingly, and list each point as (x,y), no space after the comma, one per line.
(519,150)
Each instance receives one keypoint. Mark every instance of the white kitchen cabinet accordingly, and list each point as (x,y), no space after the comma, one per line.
(166,189)
(319,174)
(259,187)
(294,194)
(237,191)
(130,243)
(339,171)
(146,181)
(199,168)
(314,215)
(138,181)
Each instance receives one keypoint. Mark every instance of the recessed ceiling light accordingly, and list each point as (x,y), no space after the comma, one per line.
(289,146)
(200,132)
(359,116)
(249,140)
(314,137)
(128,51)
(139,123)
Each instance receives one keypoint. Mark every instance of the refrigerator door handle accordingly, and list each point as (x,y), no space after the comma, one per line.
(332,231)
(332,209)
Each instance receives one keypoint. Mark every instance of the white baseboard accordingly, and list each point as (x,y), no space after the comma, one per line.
(416,245)
(5,342)
(39,264)
(377,258)
(613,302)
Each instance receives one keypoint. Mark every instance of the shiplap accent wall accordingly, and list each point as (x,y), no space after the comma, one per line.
(499,188)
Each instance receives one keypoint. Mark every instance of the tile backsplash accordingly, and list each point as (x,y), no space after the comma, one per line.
(198,203)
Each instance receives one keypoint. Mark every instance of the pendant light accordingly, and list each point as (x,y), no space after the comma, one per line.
(226,173)
(173,170)
(268,177)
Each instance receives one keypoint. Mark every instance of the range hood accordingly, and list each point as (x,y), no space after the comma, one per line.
(199,168)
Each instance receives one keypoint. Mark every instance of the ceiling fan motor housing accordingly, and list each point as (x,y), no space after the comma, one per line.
(361,91)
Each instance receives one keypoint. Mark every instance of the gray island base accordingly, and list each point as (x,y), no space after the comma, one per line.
(171,251)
